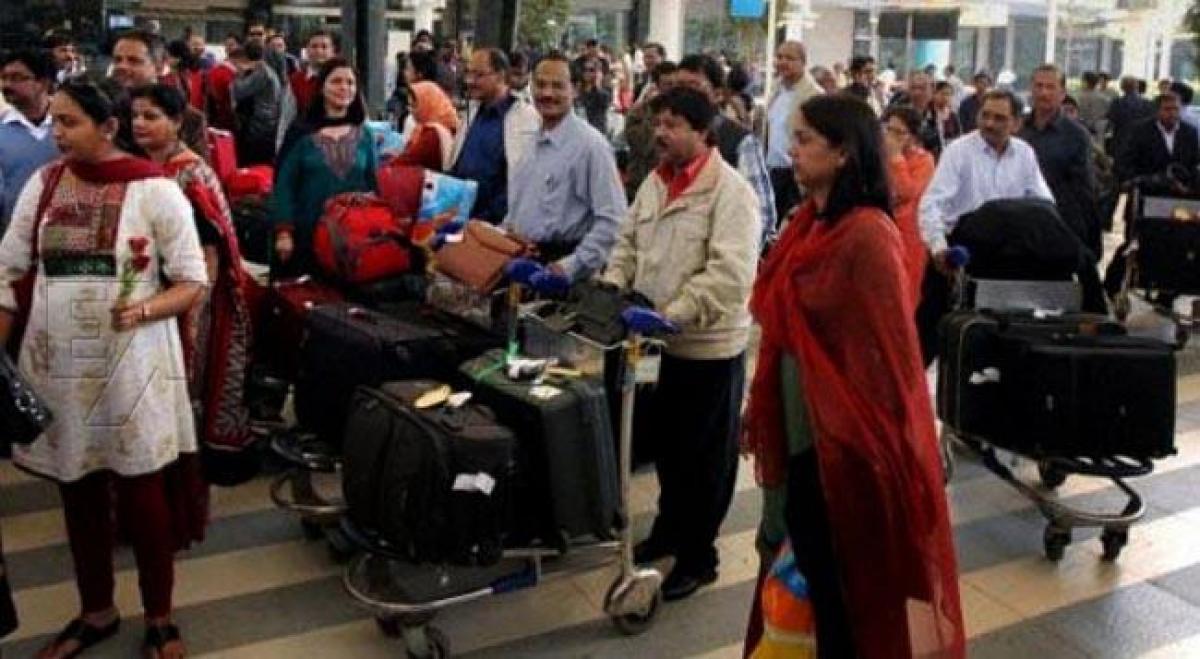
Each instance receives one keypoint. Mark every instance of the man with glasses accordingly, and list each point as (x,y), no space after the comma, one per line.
(26,140)
(499,131)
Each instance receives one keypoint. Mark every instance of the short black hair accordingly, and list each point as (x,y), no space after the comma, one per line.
(591,43)
(738,79)
(1090,79)
(518,60)
(1070,100)
(97,101)
(658,47)
(706,66)
(982,74)
(497,60)
(1006,96)
(1163,98)
(56,39)
(356,114)
(907,114)
(167,98)
(1184,91)
(860,62)
(155,48)
(695,108)
(39,62)
(253,50)
(555,56)
(322,32)
(849,124)
(1141,85)
(942,84)
(663,69)
(424,62)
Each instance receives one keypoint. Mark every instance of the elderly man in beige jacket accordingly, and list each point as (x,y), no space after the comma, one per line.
(687,245)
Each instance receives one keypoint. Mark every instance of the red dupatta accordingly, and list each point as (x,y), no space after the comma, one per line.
(836,299)
(225,353)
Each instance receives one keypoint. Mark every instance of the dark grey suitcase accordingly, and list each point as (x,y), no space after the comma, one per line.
(567,479)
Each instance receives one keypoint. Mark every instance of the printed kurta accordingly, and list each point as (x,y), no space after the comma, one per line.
(120,399)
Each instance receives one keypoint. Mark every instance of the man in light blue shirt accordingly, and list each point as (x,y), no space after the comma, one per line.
(985,165)
(26,138)
(566,195)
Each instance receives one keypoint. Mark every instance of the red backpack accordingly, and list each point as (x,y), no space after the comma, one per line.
(253,181)
(359,240)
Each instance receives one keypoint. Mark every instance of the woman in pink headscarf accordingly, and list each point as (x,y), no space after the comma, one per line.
(432,141)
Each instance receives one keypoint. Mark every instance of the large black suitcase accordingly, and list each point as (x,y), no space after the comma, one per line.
(1094,396)
(347,346)
(1072,385)
(1168,256)
(972,367)
(567,482)
(428,484)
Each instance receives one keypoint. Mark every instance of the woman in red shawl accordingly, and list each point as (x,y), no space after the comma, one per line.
(215,334)
(432,141)
(839,418)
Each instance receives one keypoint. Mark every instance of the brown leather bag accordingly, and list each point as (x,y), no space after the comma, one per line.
(478,259)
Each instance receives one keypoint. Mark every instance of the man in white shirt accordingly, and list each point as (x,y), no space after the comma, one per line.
(987,164)
(795,87)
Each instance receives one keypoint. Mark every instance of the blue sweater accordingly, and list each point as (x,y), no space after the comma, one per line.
(21,154)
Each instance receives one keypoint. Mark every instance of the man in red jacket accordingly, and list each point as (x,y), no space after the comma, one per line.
(320,48)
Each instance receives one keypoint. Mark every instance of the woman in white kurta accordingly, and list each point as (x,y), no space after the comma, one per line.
(116,258)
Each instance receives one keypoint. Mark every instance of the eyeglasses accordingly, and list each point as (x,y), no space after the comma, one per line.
(15,78)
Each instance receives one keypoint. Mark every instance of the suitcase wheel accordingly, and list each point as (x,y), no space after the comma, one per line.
(1114,540)
(1051,476)
(1055,541)
(420,641)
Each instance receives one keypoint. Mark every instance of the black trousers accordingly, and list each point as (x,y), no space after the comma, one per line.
(935,303)
(812,543)
(787,192)
(696,415)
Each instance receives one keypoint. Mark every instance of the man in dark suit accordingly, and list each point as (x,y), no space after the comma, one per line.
(1126,111)
(1153,144)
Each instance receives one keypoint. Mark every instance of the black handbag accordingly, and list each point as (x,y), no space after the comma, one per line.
(23,414)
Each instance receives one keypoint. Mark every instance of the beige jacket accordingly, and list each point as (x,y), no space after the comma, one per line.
(695,258)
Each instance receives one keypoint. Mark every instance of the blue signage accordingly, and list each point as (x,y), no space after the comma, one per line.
(747,8)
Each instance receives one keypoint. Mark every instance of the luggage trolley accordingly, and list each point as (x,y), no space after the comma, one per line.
(1163,255)
(1053,470)
(405,598)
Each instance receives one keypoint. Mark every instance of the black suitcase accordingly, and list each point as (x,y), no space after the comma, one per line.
(973,369)
(1095,396)
(346,346)
(255,231)
(378,294)
(567,483)
(1168,256)
(427,484)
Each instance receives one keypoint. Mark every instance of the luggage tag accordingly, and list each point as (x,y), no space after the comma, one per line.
(544,391)
(432,398)
(479,482)
(648,369)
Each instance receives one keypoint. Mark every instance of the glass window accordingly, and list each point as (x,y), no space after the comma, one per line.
(996,42)
(963,55)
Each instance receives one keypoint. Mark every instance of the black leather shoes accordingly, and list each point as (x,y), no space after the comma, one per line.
(680,584)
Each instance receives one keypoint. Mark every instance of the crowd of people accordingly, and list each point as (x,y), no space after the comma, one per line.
(823,215)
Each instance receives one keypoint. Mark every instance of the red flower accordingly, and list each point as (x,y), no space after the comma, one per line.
(140,262)
(139,244)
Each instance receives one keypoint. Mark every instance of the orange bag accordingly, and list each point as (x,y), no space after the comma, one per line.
(478,259)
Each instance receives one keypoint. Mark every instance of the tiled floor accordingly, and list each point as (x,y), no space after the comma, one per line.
(258,590)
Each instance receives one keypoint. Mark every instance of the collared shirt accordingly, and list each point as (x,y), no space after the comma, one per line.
(1168,135)
(970,174)
(753,167)
(482,160)
(779,113)
(39,131)
(1064,152)
(678,180)
(568,191)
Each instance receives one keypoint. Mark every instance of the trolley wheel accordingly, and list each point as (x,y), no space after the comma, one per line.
(430,643)
(312,529)
(1114,540)
(1051,476)
(1055,541)
(633,624)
